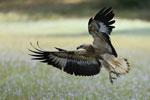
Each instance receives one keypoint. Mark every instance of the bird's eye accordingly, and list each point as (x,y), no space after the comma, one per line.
(81,46)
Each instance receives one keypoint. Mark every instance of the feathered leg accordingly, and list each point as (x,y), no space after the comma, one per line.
(111,78)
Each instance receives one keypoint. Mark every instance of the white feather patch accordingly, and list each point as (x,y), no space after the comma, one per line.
(63,62)
(103,28)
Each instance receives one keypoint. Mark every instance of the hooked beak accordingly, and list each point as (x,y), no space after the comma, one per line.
(79,47)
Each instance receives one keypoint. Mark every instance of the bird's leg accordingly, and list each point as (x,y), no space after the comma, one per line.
(111,78)
(117,75)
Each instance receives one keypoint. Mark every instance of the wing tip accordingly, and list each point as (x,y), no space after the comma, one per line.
(105,16)
(37,53)
(90,21)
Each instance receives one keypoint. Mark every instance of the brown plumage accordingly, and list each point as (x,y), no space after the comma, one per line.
(92,57)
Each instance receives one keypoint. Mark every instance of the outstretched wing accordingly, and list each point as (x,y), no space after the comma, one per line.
(100,28)
(104,20)
(72,62)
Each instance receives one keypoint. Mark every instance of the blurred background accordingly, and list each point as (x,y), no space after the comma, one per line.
(43,9)
(63,23)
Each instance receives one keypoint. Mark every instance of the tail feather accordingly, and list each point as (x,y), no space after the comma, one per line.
(117,65)
(121,65)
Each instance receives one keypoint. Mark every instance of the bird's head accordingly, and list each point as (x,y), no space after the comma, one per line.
(83,46)
(93,25)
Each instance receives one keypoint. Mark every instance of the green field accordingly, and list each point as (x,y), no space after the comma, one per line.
(24,79)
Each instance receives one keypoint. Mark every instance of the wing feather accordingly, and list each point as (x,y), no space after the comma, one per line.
(104,19)
(107,39)
(100,28)
(72,62)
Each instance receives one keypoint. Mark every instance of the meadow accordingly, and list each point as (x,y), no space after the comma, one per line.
(24,79)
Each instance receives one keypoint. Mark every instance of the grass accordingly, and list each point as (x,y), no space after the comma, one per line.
(23,79)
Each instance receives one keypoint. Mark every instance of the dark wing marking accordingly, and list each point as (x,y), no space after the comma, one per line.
(60,49)
(69,61)
(107,39)
(90,21)
(104,18)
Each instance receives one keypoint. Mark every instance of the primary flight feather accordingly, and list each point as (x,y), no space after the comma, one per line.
(92,57)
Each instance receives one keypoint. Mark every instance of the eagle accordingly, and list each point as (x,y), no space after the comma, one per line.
(88,59)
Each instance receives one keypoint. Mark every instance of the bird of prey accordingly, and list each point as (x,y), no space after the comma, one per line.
(88,59)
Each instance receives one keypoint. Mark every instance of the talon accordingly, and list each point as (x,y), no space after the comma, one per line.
(112,78)
(117,75)
(111,81)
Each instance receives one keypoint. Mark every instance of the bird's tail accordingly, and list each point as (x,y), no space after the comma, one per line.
(116,65)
